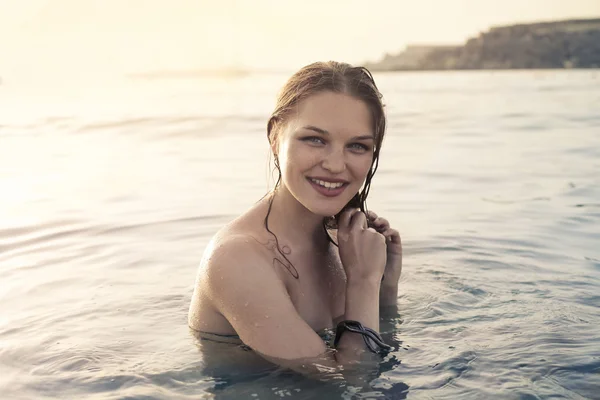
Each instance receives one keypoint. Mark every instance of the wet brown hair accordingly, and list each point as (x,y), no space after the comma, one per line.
(334,77)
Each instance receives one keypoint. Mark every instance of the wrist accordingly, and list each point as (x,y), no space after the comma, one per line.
(388,295)
(391,278)
(366,275)
(362,302)
(389,283)
(362,284)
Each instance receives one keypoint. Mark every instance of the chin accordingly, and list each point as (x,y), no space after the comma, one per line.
(325,212)
(321,205)
(322,209)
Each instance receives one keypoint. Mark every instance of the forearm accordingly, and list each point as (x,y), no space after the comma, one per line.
(388,294)
(362,305)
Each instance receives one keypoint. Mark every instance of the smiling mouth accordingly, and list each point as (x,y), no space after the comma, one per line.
(328,185)
(328,189)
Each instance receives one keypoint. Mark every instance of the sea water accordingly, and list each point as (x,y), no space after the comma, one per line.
(110,191)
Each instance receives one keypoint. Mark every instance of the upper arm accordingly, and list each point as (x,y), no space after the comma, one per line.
(245,289)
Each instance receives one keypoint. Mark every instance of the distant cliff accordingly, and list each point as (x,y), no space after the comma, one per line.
(561,44)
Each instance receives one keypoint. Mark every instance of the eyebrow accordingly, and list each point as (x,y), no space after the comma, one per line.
(324,132)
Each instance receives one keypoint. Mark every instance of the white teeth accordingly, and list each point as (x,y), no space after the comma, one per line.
(328,185)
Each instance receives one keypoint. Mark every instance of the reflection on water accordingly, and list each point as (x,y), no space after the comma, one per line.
(110,194)
(238,372)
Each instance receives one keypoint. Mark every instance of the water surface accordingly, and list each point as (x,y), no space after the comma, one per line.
(111,192)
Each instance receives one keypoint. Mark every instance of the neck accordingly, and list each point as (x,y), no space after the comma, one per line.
(294,223)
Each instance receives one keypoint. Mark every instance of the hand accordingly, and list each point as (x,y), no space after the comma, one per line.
(362,249)
(393,267)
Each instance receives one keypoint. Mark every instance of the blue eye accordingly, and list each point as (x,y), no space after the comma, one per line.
(314,139)
(359,146)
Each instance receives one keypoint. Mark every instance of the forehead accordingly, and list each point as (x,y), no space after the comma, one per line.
(336,113)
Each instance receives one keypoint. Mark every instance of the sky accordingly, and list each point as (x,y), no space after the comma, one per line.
(79,36)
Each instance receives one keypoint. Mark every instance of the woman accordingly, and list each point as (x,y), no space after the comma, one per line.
(308,255)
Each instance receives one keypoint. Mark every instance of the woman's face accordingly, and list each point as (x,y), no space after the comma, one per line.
(326,150)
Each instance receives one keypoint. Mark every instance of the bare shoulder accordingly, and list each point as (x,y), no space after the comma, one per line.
(239,292)
(237,245)
(232,251)
(228,260)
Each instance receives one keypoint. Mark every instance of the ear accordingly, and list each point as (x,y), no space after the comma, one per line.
(275,145)
(273,134)
(274,139)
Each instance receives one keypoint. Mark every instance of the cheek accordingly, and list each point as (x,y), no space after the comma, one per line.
(363,166)
(299,157)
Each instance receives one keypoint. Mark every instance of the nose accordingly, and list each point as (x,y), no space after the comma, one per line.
(334,161)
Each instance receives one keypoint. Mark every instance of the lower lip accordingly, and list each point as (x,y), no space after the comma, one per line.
(328,192)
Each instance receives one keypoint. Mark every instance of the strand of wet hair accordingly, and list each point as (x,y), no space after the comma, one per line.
(328,235)
(289,266)
(362,202)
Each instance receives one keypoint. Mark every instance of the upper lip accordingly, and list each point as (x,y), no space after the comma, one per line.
(331,180)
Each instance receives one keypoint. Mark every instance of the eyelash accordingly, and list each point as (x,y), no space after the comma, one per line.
(312,139)
(361,146)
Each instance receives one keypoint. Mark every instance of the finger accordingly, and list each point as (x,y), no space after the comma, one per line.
(392,235)
(373,230)
(371,215)
(379,235)
(345,218)
(359,221)
(381,223)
